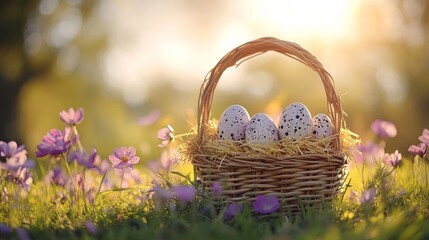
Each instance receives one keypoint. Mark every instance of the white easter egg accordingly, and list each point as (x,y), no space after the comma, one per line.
(261,129)
(295,122)
(232,123)
(322,126)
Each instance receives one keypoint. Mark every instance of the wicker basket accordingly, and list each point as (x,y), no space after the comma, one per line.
(301,180)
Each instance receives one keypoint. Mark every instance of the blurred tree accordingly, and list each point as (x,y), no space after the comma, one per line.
(15,67)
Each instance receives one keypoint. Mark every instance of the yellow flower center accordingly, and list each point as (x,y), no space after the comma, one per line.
(125,159)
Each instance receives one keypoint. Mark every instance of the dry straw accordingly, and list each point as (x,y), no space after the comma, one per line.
(301,173)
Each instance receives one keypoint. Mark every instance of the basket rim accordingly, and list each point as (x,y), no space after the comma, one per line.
(256,47)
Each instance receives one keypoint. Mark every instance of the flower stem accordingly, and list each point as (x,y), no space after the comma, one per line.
(79,144)
(426,174)
(122,177)
(101,182)
(69,172)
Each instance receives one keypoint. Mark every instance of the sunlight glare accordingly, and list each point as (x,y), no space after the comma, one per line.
(307,17)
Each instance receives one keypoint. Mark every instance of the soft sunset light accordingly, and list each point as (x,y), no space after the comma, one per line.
(186,49)
(328,19)
(244,119)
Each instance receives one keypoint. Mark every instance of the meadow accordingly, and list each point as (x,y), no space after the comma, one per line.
(77,194)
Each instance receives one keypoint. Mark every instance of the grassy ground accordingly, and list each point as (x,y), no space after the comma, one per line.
(399,210)
(77,195)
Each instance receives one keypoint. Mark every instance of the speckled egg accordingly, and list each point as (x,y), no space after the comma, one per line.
(322,126)
(295,122)
(232,124)
(261,130)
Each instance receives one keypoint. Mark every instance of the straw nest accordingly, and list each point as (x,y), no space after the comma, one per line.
(211,147)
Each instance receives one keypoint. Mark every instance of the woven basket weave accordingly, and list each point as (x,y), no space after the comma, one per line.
(301,180)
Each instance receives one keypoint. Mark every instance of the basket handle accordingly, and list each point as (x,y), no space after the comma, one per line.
(259,46)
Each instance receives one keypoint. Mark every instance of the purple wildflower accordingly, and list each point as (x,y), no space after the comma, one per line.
(5,195)
(11,150)
(56,142)
(16,157)
(103,166)
(72,117)
(107,184)
(420,149)
(83,185)
(165,135)
(124,157)
(424,138)
(130,177)
(216,189)
(22,234)
(184,193)
(384,129)
(160,194)
(368,153)
(4,230)
(92,229)
(83,159)
(22,177)
(79,182)
(154,166)
(392,159)
(367,196)
(266,204)
(56,176)
(167,161)
(354,195)
(233,210)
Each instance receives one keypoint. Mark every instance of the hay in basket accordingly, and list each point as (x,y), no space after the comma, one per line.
(307,172)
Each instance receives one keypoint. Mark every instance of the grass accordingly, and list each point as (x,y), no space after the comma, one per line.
(84,198)
(399,210)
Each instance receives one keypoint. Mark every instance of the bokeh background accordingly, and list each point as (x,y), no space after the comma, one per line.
(137,65)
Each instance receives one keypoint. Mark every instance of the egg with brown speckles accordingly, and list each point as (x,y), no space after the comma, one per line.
(295,122)
(232,124)
(322,126)
(261,130)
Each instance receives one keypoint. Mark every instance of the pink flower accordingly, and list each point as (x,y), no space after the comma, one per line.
(56,142)
(266,204)
(368,153)
(367,196)
(233,210)
(72,117)
(424,138)
(149,118)
(130,178)
(168,161)
(354,195)
(124,157)
(384,129)
(420,149)
(184,193)
(165,135)
(392,159)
